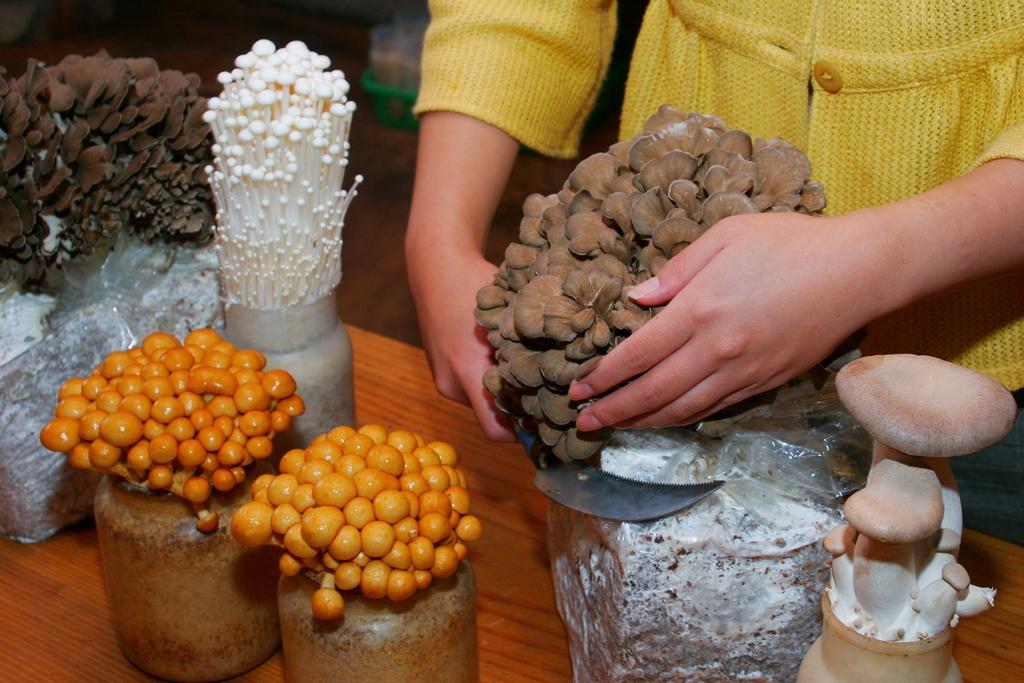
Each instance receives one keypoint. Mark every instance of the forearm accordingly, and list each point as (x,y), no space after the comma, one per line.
(462,167)
(461,172)
(967,229)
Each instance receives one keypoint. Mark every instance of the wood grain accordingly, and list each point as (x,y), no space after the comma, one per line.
(57,625)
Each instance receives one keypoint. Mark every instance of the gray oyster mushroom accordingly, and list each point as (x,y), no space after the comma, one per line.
(559,301)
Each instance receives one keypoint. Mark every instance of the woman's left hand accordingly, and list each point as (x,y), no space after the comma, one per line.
(755,301)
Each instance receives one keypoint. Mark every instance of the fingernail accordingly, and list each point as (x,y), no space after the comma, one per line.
(587,423)
(580,391)
(644,288)
(587,367)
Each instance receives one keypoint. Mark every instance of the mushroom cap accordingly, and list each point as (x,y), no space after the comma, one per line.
(900,504)
(925,406)
(956,576)
(561,295)
(840,540)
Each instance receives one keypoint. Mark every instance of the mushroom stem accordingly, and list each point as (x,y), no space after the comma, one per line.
(977,601)
(880,452)
(883,579)
(930,558)
(935,606)
(178,482)
(952,514)
(840,543)
(121,470)
(942,550)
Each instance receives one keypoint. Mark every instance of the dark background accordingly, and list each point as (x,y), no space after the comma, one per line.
(205,36)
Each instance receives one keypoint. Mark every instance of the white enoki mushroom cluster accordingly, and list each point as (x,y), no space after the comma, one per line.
(281,128)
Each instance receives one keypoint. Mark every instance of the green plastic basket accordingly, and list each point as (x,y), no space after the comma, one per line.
(392,106)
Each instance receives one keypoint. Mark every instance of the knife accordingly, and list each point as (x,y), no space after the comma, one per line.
(588,489)
(585,488)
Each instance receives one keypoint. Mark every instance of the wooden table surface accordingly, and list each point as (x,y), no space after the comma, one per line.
(56,623)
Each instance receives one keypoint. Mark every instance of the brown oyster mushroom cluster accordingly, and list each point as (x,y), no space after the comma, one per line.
(559,301)
(95,145)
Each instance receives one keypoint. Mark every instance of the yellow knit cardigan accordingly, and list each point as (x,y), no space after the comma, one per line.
(887,99)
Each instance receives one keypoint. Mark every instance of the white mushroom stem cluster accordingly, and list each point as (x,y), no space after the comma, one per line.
(894,571)
(281,129)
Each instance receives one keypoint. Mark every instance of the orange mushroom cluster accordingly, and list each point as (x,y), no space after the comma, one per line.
(382,512)
(185,418)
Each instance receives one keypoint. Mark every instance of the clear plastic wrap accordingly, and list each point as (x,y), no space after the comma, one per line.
(730,588)
(148,287)
(109,302)
(23,320)
(803,443)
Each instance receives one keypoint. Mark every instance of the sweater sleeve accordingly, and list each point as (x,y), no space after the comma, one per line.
(1009,145)
(530,67)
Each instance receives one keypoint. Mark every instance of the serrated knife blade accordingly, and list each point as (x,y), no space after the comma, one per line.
(588,489)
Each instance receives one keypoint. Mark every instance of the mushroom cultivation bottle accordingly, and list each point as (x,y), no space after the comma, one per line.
(281,126)
(385,519)
(179,429)
(313,344)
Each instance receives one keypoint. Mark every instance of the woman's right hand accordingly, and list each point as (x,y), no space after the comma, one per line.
(461,171)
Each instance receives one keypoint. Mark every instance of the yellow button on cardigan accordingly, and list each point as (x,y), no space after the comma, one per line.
(888,99)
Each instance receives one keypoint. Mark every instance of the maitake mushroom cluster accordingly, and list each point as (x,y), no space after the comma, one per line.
(559,300)
(92,146)
(386,513)
(170,417)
